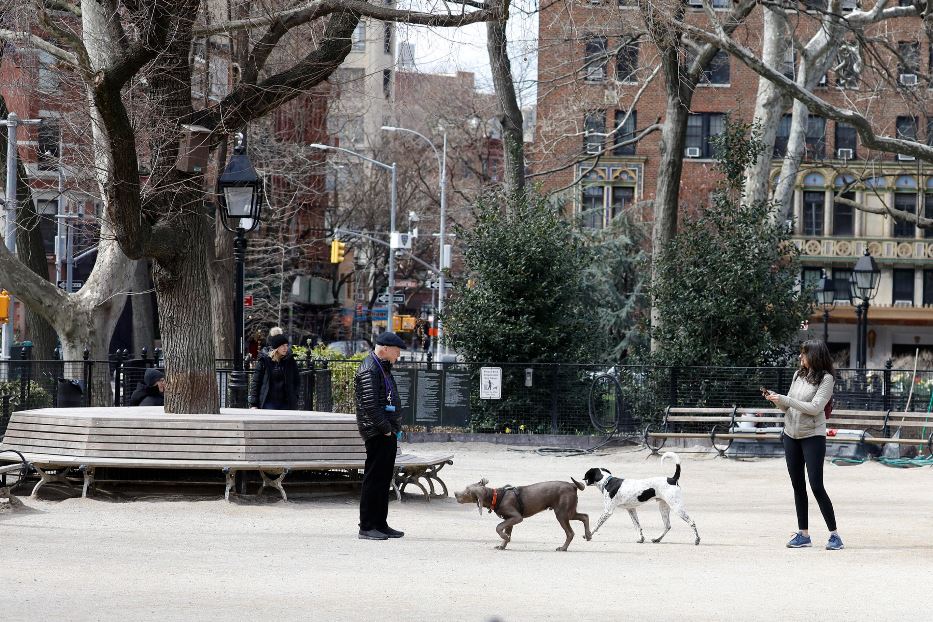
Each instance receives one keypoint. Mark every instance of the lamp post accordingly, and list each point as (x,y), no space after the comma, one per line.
(857,304)
(241,196)
(826,297)
(865,275)
(443,258)
(390,290)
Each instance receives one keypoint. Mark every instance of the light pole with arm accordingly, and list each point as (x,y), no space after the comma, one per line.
(390,293)
(442,243)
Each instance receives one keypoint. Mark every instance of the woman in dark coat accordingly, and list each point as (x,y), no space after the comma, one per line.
(275,382)
(151,391)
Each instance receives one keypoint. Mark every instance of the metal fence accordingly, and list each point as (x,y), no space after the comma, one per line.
(530,398)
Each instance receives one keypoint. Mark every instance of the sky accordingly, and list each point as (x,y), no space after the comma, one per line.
(447,50)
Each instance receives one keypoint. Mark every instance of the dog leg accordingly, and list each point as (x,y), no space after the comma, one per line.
(682,513)
(565,523)
(585,519)
(602,519)
(641,533)
(504,529)
(666,517)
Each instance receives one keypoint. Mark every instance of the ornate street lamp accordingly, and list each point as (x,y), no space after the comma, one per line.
(241,197)
(826,297)
(864,285)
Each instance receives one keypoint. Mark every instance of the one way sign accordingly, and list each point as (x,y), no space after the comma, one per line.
(398,298)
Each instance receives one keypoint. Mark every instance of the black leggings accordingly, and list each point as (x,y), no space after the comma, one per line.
(808,452)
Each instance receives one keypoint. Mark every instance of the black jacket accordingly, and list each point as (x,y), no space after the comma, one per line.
(371,400)
(262,380)
(147,393)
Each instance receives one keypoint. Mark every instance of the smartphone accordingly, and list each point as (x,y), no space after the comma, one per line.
(764,391)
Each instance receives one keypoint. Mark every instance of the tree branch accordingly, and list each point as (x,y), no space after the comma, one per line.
(12,36)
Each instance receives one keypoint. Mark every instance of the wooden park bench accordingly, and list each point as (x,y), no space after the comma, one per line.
(58,442)
(723,426)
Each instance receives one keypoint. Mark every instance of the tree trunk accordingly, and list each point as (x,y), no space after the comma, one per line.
(143,312)
(222,275)
(770,104)
(510,114)
(186,321)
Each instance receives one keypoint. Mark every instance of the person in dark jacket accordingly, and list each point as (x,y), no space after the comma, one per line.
(151,391)
(275,382)
(378,415)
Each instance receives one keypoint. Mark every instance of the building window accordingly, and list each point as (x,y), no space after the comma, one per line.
(594,131)
(928,210)
(387,83)
(903,286)
(48,224)
(47,149)
(387,37)
(782,136)
(595,59)
(906,128)
(788,68)
(816,138)
(930,125)
(846,139)
(908,61)
(358,39)
(905,202)
(701,128)
(841,278)
(592,209)
(717,71)
(844,216)
(810,278)
(627,62)
(813,202)
(48,77)
(624,130)
(620,197)
(815,5)
(927,287)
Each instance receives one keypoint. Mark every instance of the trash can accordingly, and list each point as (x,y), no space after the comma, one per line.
(70,393)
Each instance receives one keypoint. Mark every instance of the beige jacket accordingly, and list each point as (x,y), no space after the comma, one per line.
(803,406)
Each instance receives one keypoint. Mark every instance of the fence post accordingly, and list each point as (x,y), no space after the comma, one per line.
(673,388)
(24,374)
(144,355)
(886,385)
(554,399)
(88,374)
(5,413)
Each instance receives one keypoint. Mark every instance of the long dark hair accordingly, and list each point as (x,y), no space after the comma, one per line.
(819,362)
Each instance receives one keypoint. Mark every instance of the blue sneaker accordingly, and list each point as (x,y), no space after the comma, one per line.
(799,541)
(835,543)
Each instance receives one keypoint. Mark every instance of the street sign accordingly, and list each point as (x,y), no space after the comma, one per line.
(248,300)
(490,383)
(408,283)
(379,313)
(398,298)
(436,285)
(75,285)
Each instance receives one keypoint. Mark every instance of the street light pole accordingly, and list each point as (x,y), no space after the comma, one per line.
(12,122)
(393,207)
(442,225)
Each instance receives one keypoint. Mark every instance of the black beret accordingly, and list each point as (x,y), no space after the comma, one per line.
(276,340)
(390,339)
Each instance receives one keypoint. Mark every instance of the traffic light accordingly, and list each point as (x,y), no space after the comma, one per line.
(4,307)
(337,251)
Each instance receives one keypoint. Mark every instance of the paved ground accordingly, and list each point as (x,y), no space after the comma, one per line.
(203,559)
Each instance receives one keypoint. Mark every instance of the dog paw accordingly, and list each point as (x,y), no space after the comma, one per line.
(697,542)
(561,548)
(641,541)
(656,540)
(588,537)
(501,547)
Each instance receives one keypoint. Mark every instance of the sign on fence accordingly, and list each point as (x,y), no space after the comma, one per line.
(490,383)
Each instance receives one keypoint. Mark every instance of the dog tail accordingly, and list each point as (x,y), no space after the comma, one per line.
(577,484)
(673,480)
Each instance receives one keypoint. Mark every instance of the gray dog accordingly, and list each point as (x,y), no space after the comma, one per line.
(513,504)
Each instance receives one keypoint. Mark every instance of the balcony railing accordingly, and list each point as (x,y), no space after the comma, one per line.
(904,250)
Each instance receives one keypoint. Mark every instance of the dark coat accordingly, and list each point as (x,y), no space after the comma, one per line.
(262,379)
(371,400)
(147,393)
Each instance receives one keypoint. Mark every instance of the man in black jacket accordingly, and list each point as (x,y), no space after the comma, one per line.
(151,391)
(379,419)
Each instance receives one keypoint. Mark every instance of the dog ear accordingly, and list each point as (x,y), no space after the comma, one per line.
(483,482)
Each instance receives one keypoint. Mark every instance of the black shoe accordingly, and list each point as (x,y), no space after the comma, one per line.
(392,533)
(372,534)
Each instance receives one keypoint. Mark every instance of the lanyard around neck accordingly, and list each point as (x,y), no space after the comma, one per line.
(385,378)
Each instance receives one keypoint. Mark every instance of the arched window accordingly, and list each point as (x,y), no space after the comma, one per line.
(844,212)
(814,202)
(905,200)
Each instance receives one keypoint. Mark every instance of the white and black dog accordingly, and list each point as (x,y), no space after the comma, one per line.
(629,494)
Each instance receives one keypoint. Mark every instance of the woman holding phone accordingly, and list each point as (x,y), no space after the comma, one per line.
(804,436)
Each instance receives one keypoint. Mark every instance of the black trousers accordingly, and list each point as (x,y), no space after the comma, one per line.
(810,453)
(377,477)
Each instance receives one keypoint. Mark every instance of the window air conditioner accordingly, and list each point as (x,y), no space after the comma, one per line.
(903,303)
(823,81)
(908,79)
(697,4)
(593,148)
(844,154)
(693,152)
(905,158)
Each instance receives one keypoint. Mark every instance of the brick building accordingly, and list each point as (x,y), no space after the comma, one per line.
(597,89)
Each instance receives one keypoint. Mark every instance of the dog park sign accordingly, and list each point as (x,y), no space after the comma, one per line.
(490,383)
